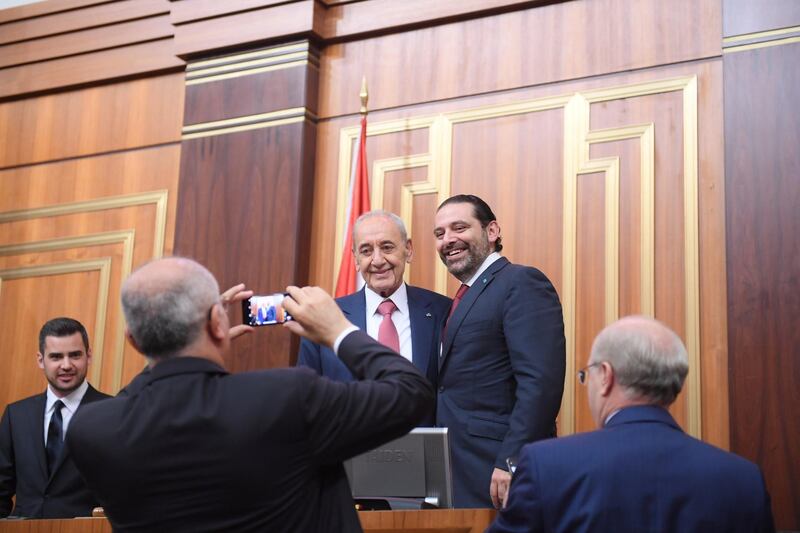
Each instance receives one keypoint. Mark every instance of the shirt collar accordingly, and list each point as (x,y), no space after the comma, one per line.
(399,297)
(609,417)
(494,256)
(71,400)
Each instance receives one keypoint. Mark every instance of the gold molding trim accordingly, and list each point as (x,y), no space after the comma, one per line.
(104,266)
(247,56)
(691,242)
(764,44)
(251,71)
(250,63)
(759,34)
(247,123)
(245,120)
(157,197)
(198,75)
(578,137)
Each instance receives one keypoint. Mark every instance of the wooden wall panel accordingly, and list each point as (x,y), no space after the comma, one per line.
(37,9)
(84,43)
(118,208)
(78,19)
(746,16)
(590,273)
(248,28)
(762,132)
(357,18)
(73,43)
(517,49)
(155,56)
(244,214)
(189,10)
(100,119)
(218,100)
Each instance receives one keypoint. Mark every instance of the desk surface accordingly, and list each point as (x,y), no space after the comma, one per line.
(444,520)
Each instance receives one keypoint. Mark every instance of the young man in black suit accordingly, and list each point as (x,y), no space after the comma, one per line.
(34,462)
(190,447)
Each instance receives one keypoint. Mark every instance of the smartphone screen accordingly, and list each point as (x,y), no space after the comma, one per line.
(264,310)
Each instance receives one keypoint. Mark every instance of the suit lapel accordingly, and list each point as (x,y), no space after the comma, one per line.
(464,307)
(422,330)
(354,308)
(37,432)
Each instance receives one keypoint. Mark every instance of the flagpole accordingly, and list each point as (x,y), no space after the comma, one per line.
(349,280)
(364,96)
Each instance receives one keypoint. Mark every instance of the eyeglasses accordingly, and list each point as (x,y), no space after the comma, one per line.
(583,371)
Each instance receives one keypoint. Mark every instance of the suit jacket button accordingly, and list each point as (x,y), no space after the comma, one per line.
(441,389)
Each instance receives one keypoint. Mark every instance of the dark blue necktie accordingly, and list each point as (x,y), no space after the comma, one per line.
(55,436)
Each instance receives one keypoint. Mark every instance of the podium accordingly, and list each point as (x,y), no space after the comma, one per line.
(428,521)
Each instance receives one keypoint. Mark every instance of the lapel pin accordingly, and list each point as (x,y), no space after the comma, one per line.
(428,315)
(484,280)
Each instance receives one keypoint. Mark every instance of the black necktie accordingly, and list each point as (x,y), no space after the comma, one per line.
(55,436)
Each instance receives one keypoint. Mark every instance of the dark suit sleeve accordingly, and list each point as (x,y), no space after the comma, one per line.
(533,325)
(767,522)
(309,356)
(8,479)
(346,419)
(523,510)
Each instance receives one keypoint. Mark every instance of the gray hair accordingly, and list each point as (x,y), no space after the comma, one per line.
(166,311)
(380,213)
(648,358)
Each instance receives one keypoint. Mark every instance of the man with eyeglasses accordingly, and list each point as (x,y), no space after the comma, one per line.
(191,447)
(639,471)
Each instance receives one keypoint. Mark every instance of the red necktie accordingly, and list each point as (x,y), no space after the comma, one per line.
(457,300)
(387,332)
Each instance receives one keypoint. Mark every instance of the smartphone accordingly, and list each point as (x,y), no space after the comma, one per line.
(264,310)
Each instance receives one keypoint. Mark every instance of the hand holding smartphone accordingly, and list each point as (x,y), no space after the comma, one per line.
(264,310)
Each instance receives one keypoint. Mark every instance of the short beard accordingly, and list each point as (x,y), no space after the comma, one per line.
(61,389)
(476,255)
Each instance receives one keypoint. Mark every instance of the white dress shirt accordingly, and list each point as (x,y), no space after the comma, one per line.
(71,402)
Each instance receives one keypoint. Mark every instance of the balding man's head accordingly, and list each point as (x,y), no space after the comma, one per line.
(648,358)
(166,304)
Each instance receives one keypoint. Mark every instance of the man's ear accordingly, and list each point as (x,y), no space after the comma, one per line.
(132,342)
(409,251)
(607,378)
(40,360)
(217,325)
(493,231)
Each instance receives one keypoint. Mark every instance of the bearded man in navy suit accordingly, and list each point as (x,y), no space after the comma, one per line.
(382,250)
(35,464)
(640,471)
(502,364)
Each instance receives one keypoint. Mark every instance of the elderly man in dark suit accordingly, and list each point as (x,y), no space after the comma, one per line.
(639,472)
(34,463)
(502,364)
(382,249)
(190,447)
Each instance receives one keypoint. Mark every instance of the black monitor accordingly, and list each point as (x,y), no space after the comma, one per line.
(410,472)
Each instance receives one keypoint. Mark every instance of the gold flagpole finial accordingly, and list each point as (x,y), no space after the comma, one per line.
(364,95)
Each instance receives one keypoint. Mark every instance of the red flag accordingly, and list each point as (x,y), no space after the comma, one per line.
(349,281)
